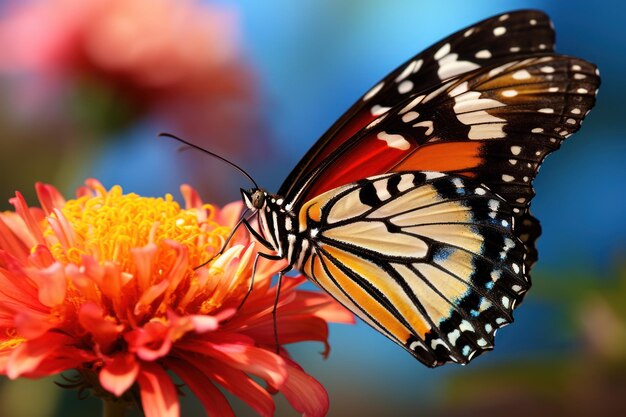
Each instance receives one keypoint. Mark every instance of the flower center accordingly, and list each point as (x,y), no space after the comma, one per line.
(109,224)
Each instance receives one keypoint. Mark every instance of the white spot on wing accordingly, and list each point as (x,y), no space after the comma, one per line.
(406,182)
(431,175)
(499,31)
(521,75)
(509,93)
(412,68)
(483,54)
(443,51)
(410,116)
(381,190)
(394,141)
(405,86)
(417,100)
(428,125)
(373,91)
(546,110)
(378,110)
(515,150)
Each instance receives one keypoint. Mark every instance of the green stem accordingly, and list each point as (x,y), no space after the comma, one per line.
(114,408)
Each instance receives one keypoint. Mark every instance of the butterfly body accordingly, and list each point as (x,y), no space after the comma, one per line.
(413,209)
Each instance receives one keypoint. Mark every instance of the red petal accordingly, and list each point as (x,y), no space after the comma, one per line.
(251,359)
(291,329)
(120,374)
(27,357)
(103,329)
(305,393)
(32,324)
(150,342)
(237,382)
(203,324)
(51,282)
(25,213)
(11,243)
(144,262)
(191,197)
(230,213)
(322,306)
(214,402)
(49,197)
(158,393)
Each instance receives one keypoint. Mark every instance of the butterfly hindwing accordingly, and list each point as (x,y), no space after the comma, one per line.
(428,259)
(497,39)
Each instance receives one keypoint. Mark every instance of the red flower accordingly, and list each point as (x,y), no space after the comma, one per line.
(104,284)
(177,60)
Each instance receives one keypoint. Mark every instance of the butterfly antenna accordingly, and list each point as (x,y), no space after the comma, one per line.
(221,158)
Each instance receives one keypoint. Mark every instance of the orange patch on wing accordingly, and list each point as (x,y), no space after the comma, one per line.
(383,283)
(442,157)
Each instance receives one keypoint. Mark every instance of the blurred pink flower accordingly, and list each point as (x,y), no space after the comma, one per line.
(177,60)
(105,284)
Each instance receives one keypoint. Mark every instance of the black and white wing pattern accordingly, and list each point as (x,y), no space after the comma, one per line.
(486,43)
(413,210)
(428,259)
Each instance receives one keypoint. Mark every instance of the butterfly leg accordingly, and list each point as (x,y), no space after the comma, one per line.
(274,310)
(254,265)
(226,242)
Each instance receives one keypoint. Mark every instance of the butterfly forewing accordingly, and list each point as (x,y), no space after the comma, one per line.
(428,259)
(497,39)
(495,125)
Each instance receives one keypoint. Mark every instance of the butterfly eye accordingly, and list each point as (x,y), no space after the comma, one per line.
(258,199)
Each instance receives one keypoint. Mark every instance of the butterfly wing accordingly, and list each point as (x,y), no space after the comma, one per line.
(497,39)
(495,124)
(428,259)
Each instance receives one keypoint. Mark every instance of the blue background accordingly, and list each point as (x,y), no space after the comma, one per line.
(313,59)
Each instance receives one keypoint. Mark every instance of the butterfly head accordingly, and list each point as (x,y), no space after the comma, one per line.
(254,198)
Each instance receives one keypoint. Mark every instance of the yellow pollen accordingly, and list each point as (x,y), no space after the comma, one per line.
(110,224)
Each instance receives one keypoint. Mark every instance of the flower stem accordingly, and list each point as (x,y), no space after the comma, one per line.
(114,408)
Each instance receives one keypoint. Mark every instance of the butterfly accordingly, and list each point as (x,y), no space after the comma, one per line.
(412,210)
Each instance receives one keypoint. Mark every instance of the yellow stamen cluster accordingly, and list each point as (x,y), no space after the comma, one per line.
(110,224)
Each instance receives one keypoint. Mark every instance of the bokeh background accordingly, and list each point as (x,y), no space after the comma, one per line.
(85,86)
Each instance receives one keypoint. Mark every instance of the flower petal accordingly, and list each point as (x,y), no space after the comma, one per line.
(29,355)
(251,359)
(305,393)
(104,330)
(120,374)
(11,242)
(213,401)
(322,306)
(158,393)
(150,342)
(49,197)
(32,324)
(237,382)
(26,214)
(51,282)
